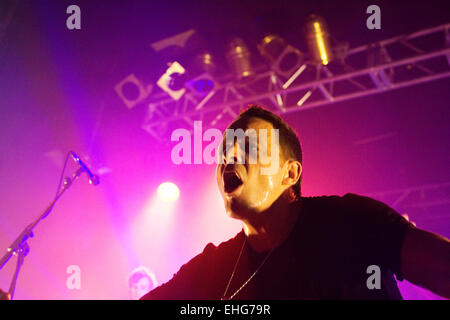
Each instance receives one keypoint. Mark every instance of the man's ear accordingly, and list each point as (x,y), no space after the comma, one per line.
(293,173)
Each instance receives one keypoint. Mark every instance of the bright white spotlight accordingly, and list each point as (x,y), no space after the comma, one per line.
(168,191)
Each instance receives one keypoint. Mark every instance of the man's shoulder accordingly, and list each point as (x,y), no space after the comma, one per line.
(323,203)
(352,210)
(348,199)
(227,245)
(349,205)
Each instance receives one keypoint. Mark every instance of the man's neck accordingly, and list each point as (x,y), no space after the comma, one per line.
(269,229)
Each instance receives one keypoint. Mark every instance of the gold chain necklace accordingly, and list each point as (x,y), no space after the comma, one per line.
(234,270)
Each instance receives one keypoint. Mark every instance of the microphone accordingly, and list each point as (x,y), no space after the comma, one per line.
(93,178)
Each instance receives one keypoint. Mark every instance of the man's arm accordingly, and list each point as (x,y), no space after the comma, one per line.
(425,261)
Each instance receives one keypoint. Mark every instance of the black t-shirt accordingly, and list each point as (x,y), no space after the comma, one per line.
(326,256)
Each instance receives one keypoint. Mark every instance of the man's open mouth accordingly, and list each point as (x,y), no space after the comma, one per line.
(231,181)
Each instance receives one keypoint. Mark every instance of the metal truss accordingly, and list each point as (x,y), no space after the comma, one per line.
(394,63)
(416,197)
(427,204)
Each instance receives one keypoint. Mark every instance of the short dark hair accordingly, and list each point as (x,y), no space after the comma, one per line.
(288,138)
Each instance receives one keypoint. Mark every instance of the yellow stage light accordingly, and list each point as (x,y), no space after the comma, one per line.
(238,57)
(318,40)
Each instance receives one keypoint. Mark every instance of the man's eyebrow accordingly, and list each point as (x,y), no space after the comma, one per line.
(246,142)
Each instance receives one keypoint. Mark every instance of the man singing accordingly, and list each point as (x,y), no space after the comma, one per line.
(294,247)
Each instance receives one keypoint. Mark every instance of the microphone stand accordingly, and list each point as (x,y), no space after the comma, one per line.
(20,247)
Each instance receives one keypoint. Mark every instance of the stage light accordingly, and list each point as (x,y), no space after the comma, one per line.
(168,192)
(204,63)
(238,57)
(177,81)
(284,58)
(201,85)
(271,47)
(132,91)
(318,41)
(172,81)
(204,67)
(177,42)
